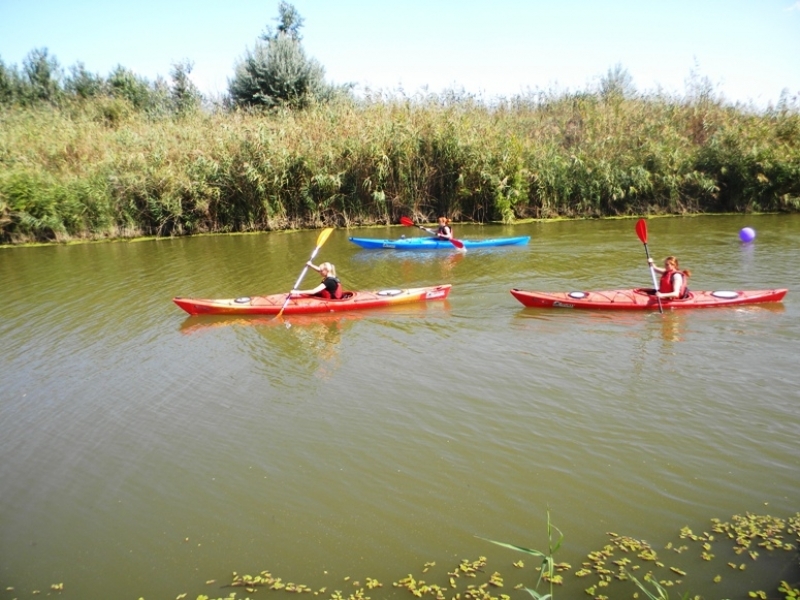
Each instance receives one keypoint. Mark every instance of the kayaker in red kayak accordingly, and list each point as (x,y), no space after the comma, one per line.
(673,280)
(445,232)
(330,287)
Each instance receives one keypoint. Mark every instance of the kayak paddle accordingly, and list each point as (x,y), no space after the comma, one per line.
(641,231)
(321,239)
(409,223)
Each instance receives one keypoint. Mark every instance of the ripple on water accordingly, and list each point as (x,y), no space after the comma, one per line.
(374,442)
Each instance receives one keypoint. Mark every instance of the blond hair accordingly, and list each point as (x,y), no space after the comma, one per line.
(329,268)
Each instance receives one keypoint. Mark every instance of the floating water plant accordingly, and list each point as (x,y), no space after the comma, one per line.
(623,562)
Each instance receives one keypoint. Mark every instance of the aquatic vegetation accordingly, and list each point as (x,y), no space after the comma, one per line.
(764,531)
(622,566)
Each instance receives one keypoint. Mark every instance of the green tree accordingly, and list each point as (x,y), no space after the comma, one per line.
(184,94)
(124,83)
(289,23)
(82,83)
(43,74)
(617,83)
(277,71)
(9,83)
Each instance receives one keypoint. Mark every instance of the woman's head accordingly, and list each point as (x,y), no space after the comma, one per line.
(327,269)
(444,221)
(671,263)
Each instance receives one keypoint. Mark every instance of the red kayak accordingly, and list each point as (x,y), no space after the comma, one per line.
(643,299)
(303,305)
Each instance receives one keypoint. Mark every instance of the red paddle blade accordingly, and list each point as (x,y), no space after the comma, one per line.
(406,221)
(457,243)
(641,230)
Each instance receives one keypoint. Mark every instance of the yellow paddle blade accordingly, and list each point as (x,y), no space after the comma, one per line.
(324,235)
(321,239)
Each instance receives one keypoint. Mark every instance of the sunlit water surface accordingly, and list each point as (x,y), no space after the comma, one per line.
(145,452)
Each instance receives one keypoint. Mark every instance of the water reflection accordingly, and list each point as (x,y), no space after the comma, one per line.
(321,339)
(193,325)
(409,264)
(748,262)
(673,326)
(450,262)
(290,349)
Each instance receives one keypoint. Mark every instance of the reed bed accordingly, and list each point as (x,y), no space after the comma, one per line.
(100,168)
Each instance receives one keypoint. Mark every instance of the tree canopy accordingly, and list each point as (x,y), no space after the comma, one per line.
(277,72)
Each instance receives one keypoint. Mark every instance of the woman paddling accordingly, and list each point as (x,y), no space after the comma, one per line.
(330,287)
(673,280)
(445,232)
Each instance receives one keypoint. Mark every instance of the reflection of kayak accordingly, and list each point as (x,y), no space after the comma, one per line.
(429,243)
(197,323)
(641,299)
(300,305)
(414,310)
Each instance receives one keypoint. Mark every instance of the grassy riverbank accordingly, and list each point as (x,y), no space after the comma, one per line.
(102,169)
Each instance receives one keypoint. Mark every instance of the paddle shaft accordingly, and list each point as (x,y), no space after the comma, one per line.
(320,240)
(641,231)
(305,270)
(296,283)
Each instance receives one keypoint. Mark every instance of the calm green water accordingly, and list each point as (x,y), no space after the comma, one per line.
(145,452)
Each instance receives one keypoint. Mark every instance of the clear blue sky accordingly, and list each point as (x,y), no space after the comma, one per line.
(748,49)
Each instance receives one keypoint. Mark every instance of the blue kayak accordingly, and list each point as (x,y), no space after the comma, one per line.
(430,243)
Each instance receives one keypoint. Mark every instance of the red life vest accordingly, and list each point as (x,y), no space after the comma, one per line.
(333,289)
(666,286)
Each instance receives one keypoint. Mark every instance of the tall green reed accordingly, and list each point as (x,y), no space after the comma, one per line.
(548,565)
(102,168)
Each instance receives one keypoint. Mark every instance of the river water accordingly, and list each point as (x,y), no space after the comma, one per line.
(145,452)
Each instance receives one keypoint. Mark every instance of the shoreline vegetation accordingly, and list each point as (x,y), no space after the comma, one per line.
(100,169)
(86,157)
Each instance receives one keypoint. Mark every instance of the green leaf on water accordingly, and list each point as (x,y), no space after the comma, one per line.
(514,547)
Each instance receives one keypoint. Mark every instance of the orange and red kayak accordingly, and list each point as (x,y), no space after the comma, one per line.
(643,299)
(303,305)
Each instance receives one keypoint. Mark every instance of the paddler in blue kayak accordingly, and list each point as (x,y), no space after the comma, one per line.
(445,232)
(673,280)
(330,287)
